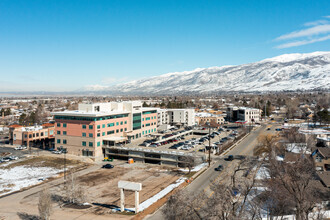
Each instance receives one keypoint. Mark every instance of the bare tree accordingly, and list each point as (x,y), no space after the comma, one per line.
(295,181)
(74,192)
(266,145)
(188,162)
(45,204)
(230,198)
(182,206)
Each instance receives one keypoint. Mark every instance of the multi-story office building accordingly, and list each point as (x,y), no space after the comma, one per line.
(243,114)
(178,117)
(42,136)
(183,117)
(93,126)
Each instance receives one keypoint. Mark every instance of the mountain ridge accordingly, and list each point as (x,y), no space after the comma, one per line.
(287,72)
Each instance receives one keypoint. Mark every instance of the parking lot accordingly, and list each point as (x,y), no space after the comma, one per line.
(9,150)
(187,143)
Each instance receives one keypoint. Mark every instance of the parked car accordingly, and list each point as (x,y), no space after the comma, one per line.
(13,158)
(5,159)
(18,148)
(57,152)
(153,145)
(108,166)
(219,168)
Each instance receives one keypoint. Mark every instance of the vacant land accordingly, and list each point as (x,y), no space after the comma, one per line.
(100,187)
(19,174)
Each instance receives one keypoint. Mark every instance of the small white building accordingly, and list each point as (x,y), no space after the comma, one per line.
(249,114)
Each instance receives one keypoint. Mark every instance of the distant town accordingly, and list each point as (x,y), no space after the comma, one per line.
(86,155)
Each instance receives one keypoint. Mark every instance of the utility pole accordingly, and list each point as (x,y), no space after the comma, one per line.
(209,144)
(64,152)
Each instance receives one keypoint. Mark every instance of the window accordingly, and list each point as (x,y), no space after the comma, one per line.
(25,136)
(98,134)
(125,129)
(58,132)
(90,135)
(58,141)
(98,143)
(30,135)
(64,125)
(84,143)
(84,126)
(121,130)
(117,123)
(34,135)
(103,133)
(111,124)
(46,133)
(110,132)
(142,132)
(99,126)
(103,126)
(84,134)
(64,141)
(121,123)
(91,127)
(58,124)
(117,130)
(90,144)
(87,153)
(125,122)
(37,134)
(42,134)
(64,132)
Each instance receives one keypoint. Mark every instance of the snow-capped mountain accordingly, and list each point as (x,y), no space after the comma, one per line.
(285,72)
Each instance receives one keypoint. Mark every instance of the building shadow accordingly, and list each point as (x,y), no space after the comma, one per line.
(106,205)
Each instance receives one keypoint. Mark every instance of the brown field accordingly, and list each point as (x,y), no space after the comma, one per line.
(101,189)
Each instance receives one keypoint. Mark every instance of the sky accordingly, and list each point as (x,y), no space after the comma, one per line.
(67,45)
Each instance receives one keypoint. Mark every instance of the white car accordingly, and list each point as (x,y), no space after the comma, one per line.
(18,148)
(13,157)
(57,152)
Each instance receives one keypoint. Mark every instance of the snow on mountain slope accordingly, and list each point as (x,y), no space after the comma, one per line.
(285,72)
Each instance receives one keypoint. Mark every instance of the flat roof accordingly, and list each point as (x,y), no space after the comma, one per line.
(89,114)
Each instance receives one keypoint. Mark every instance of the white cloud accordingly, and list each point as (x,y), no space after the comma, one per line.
(303,42)
(315,31)
(314,23)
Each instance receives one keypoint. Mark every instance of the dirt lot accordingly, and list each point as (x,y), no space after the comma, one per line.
(44,161)
(102,192)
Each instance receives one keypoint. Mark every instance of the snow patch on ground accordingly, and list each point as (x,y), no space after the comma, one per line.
(19,177)
(262,173)
(196,168)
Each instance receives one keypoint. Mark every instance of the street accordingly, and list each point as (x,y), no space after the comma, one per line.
(205,180)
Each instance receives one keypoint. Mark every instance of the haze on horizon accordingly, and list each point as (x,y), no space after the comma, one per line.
(66,45)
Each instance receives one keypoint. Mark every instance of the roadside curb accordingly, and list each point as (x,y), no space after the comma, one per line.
(234,145)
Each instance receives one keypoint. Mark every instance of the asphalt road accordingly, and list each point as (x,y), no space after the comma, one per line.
(203,182)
